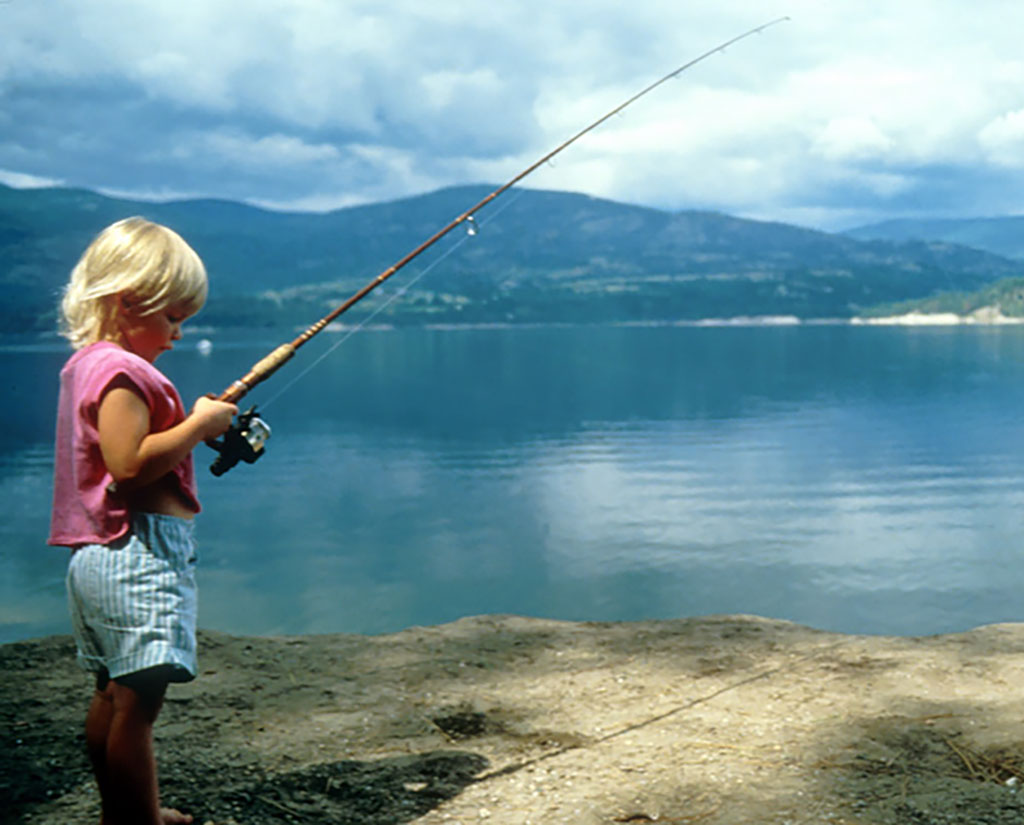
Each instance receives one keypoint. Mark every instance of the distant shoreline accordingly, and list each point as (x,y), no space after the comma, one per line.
(986,316)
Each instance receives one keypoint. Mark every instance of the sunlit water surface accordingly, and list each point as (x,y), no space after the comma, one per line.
(858,479)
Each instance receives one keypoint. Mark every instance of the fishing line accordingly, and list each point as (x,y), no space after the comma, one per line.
(470,233)
(244,441)
(267,366)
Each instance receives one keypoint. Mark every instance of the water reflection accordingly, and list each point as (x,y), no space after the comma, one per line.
(865,480)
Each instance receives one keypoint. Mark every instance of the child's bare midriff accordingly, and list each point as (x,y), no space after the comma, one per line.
(163,498)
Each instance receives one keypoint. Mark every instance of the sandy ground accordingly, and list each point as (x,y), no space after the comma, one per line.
(507,720)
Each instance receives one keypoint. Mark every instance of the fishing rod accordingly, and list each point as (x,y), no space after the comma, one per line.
(247,436)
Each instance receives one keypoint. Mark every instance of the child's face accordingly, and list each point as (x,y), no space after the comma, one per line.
(150,335)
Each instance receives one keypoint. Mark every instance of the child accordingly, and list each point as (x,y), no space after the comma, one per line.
(125,495)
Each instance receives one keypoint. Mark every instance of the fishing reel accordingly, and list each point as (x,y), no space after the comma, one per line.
(243,442)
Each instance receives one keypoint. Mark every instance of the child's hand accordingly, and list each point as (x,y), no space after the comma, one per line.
(213,416)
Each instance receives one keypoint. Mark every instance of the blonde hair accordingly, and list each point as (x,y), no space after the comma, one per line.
(147,264)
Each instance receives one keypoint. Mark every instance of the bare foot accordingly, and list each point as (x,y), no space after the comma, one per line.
(170,816)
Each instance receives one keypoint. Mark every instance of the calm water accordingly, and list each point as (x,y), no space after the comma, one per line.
(856,479)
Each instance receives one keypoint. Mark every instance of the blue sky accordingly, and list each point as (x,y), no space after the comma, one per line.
(848,113)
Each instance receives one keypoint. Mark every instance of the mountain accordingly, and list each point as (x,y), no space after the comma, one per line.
(1001,236)
(538,256)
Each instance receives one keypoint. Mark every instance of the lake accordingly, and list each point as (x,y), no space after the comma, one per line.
(860,479)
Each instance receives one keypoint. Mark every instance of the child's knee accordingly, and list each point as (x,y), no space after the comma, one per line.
(102,680)
(140,693)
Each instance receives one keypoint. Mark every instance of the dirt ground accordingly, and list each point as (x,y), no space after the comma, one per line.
(505,720)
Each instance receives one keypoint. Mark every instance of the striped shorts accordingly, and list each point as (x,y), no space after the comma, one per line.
(133,602)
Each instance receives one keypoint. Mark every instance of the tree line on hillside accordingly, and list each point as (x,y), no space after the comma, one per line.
(546,257)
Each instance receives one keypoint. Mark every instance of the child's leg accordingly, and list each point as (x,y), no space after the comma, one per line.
(119,731)
(97,727)
(134,606)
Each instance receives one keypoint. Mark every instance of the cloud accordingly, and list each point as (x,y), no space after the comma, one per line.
(19,180)
(277,151)
(851,138)
(296,102)
(1002,140)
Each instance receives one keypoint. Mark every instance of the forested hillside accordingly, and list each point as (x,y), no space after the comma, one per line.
(538,256)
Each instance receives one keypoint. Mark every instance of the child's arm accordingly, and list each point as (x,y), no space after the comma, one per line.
(133,454)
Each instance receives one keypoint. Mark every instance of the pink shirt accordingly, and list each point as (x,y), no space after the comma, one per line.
(83,511)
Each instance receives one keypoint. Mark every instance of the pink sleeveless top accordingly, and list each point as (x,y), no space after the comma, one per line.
(84,512)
